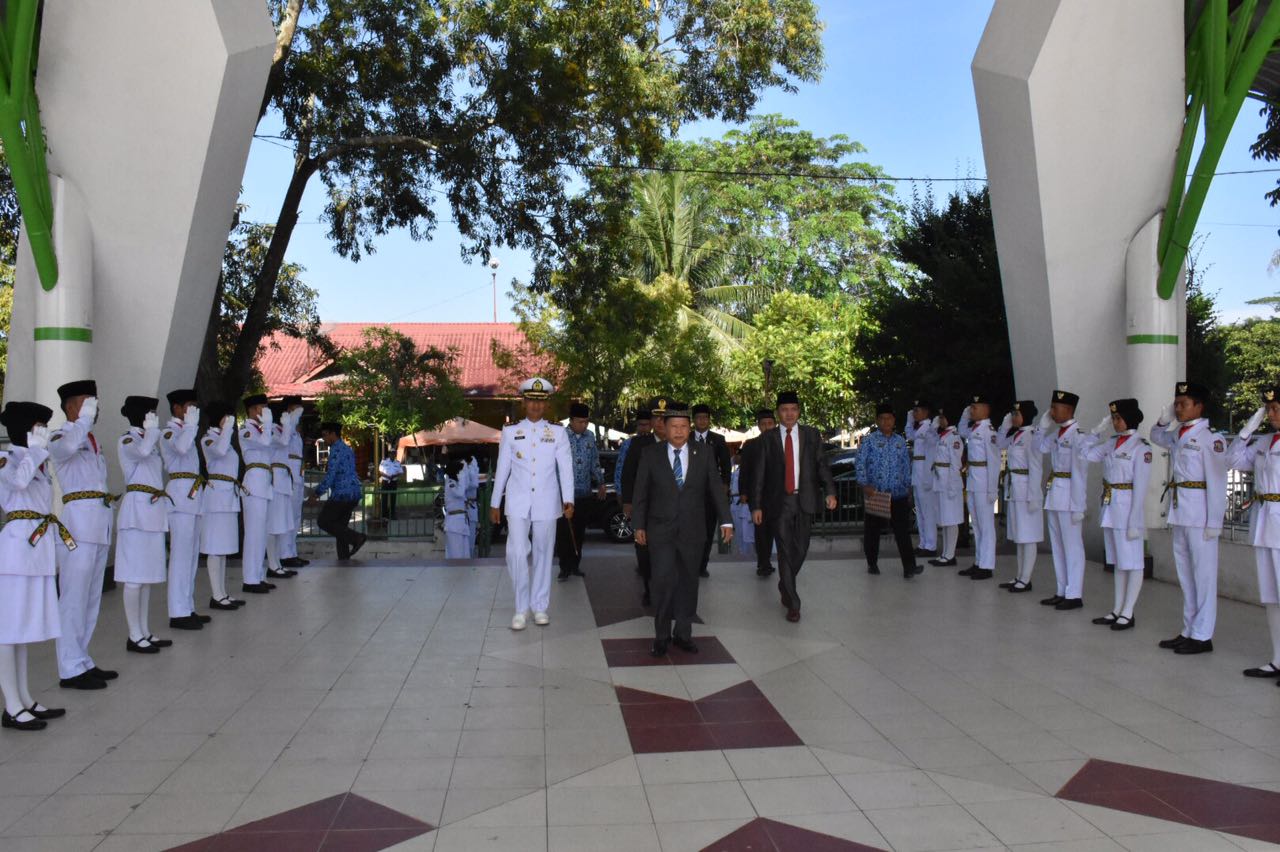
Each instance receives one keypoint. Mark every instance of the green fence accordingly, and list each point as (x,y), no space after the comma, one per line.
(392,513)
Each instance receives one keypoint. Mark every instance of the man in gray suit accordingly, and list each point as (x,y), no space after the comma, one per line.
(675,484)
(789,480)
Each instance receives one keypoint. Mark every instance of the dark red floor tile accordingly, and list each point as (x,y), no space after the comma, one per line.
(1138,802)
(745,691)
(790,838)
(1098,776)
(752,837)
(628,659)
(753,735)
(369,840)
(627,695)
(1269,832)
(635,652)
(267,841)
(660,715)
(672,738)
(751,710)
(710,651)
(316,816)
(1216,804)
(357,812)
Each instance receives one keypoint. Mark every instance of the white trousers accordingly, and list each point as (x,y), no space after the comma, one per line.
(1197,563)
(926,517)
(1268,559)
(184,559)
(253,552)
(80,596)
(982,518)
(532,592)
(1066,539)
(290,549)
(473,524)
(1126,555)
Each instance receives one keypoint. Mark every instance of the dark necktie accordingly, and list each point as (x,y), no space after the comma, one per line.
(678,469)
(789,478)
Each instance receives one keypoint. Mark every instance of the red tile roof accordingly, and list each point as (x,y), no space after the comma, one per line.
(287,364)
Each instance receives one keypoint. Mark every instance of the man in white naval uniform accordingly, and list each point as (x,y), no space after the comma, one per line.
(255,498)
(185,488)
(1197,505)
(289,549)
(921,436)
(280,527)
(981,482)
(86,513)
(533,455)
(1064,500)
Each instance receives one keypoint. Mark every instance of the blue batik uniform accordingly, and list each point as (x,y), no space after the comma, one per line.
(587,473)
(885,464)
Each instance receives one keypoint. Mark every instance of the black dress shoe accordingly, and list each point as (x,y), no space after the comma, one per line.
(359,544)
(943,563)
(84,680)
(925,551)
(139,648)
(873,569)
(1123,623)
(793,615)
(659,649)
(160,643)
(1053,601)
(1069,603)
(103,674)
(646,600)
(186,622)
(704,573)
(1008,585)
(562,576)
(1268,670)
(577,572)
(281,575)
(764,571)
(909,573)
(965,572)
(1109,618)
(686,645)
(1174,642)
(982,574)
(918,569)
(41,712)
(24,721)
(1195,646)
(302,563)
(292,562)
(1017,588)
(204,619)
(223,604)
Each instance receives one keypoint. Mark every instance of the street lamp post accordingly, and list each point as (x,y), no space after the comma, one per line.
(493,265)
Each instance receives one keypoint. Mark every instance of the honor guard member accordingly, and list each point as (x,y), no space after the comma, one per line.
(920,439)
(535,475)
(289,550)
(657,412)
(143,521)
(982,483)
(472,486)
(280,512)
(702,434)
(456,529)
(1126,470)
(1197,506)
(1065,497)
(1261,456)
(588,485)
(257,489)
(948,486)
(762,537)
(86,514)
(1023,500)
(29,540)
(220,522)
(743,529)
(185,488)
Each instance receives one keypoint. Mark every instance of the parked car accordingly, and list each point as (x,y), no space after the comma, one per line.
(605,515)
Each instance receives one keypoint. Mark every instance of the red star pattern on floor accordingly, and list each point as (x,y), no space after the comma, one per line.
(767,835)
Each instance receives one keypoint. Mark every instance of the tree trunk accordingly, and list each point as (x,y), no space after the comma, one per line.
(209,372)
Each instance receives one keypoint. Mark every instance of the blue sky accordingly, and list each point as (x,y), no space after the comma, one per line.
(897,80)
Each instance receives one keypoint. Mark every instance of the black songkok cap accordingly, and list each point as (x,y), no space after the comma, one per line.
(765,414)
(884,408)
(979,399)
(921,403)
(83,387)
(1195,390)
(255,399)
(291,401)
(579,409)
(643,414)
(1027,408)
(181,397)
(217,410)
(788,398)
(1128,411)
(1066,398)
(331,426)
(701,408)
(136,407)
(19,417)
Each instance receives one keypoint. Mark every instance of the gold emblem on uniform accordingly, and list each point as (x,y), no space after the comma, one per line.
(1113,408)
(662,405)
(977,398)
(537,384)
(1182,387)
(1061,394)
(1269,396)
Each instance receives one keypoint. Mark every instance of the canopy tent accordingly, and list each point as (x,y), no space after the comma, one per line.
(455,431)
(731,436)
(595,429)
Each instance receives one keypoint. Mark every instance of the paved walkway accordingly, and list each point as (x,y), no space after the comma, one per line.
(391,707)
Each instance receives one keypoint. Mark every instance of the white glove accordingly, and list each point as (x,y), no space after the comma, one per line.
(89,409)
(933,423)
(193,414)
(1210,533)
(968,413)
(1006,423)
(228,422)
(150,421)
(38,437)
(1254,422)
(1103,425)
(1133,534)
(1166,416)
(1077,517)
(267,417)
(1046,422)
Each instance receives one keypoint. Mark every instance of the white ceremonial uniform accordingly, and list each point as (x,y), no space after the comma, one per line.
(280,515)
(744,531)
(255,500)
(289,550)
(1065,497)
(456,528)
(1197,503)
(535,476)
(144,509)
(921,438)
(983,479)
(28,591)
(1023,500)
(220,523)
(182,462)
(86,512)
(472,471)
(1261,455)
(948,457)
(1126,471)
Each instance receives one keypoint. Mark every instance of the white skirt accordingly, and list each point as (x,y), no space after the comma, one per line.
(220,533)
(1026,524)
(28,609)
(950,509)
(280,514)
(140,556)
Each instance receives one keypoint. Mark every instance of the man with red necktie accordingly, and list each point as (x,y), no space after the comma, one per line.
(787,484)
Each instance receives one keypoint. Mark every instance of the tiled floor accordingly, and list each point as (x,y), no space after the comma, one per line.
(391,707)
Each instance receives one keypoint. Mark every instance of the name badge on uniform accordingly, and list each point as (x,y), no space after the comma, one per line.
(518,438)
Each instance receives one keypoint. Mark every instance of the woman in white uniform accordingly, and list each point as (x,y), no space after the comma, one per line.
(948,484)
(142,522)
(220,523)
(280,512)
(744,531)
(457,532)
(28,542)
(1126,471)
(1262,456)
(1023,500)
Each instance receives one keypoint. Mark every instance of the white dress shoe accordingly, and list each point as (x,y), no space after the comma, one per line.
(518,622)
(541,619)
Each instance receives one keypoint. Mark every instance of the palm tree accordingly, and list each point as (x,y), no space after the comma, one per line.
(680,257)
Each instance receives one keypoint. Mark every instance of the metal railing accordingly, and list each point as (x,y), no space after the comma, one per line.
(387,513)
(1239,502)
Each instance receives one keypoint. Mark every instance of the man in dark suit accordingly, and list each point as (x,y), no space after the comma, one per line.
(789,483)
(750,458)
(630,466)
(674,485)
(702,434)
